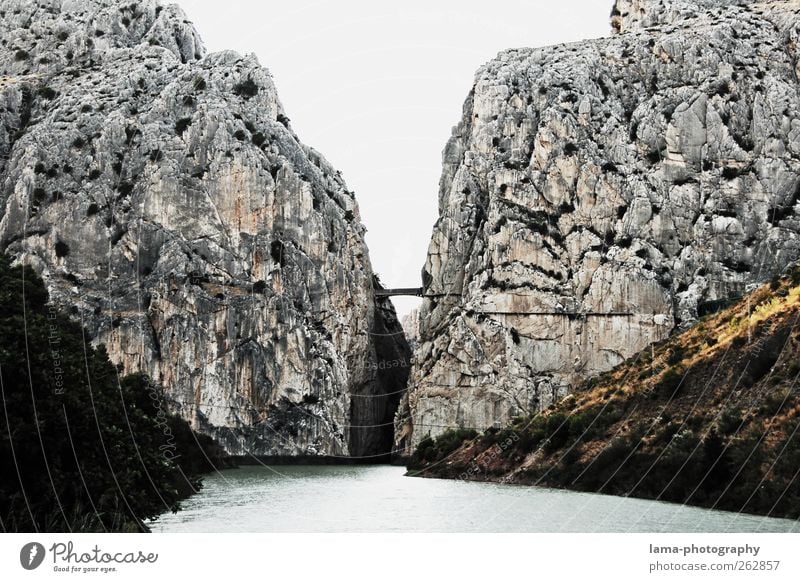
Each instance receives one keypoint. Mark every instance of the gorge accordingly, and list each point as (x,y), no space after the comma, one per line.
(596,199)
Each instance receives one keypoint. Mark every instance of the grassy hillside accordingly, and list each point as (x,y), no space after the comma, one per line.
(708,417)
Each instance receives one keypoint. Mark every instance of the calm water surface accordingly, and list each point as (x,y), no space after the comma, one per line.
(382,499)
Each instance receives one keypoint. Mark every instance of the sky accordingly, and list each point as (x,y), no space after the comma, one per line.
(377,86)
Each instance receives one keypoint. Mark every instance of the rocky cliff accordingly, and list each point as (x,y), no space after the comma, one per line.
(162,191)
(708,417)
(410,323)
(597,195)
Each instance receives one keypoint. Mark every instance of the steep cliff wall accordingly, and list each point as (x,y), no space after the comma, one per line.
(410,323)
(162,191)
(596,195)
(708,417)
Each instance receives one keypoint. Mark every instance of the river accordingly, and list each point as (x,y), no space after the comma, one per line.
(382,499)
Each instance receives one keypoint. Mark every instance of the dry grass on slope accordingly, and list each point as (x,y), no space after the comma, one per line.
(708,417)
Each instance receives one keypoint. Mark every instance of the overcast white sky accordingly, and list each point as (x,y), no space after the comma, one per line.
(377,86)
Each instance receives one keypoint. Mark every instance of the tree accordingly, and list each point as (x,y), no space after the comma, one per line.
(81,449)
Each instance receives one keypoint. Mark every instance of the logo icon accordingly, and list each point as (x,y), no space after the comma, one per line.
(31,555)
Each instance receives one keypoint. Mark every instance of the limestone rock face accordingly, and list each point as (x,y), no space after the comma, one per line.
(162,192)
(630,15)
(596,195)
(410,323)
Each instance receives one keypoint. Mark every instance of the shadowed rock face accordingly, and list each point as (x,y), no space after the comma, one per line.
(161,192)
(596,195)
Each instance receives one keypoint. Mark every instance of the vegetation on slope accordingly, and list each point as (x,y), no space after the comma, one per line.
(81,449)
(708,417)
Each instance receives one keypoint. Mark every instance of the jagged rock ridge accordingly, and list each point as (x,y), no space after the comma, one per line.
(596,195)
(162,192)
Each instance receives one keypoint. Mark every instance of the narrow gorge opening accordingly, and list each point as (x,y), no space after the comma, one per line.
(372,411)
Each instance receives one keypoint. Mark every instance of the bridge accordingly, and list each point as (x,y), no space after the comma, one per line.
(408,291)
(420,292)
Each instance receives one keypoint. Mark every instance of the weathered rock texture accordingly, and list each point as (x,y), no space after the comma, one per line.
(657,427)
(597,195)
(410,323)
(162,191)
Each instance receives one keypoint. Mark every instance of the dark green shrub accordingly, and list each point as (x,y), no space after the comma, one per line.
(62,249)
(450,440)
(528,441)
(609,459)
(557,430)
(429,450)
(47,93)
(425,450)
(182,125)
(774,403)
(246,89)
(584,425)
(125,188)
(664,436)
(490,435)
(670,383)
(572,455)
(676,355)
(259,139)
(730,173)
(739,341)
(730,421)
(100,453)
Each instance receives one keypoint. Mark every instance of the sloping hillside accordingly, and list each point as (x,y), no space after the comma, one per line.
(707,417)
